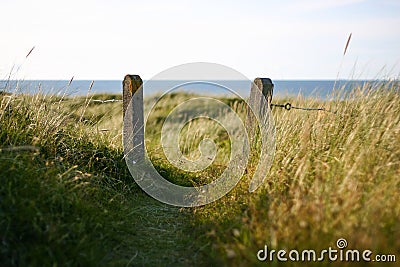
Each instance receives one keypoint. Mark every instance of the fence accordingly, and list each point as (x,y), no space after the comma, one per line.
(132,97)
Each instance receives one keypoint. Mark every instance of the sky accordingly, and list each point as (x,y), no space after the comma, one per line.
(104,40)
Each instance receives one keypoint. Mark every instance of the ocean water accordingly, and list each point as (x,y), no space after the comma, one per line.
(315,88)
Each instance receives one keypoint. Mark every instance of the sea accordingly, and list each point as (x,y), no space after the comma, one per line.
(322,89)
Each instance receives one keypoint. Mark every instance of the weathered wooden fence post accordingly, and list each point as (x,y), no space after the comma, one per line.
(134,123)
(266,87)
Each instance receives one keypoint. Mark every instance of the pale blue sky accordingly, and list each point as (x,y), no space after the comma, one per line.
(278,39)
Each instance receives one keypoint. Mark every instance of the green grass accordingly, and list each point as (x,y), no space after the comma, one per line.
(67,198)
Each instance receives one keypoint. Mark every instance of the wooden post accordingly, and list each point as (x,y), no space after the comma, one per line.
(134,123)
(130,85)
(266,87)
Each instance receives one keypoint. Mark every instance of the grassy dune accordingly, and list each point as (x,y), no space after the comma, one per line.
(67,198)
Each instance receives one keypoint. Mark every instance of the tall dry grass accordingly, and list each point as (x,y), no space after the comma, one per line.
(335,175)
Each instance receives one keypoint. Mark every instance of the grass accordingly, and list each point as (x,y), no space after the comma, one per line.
(67,198)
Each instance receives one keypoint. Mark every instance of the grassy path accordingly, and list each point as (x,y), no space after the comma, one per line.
(161,236)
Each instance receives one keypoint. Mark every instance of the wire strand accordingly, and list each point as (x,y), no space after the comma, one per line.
(289,106)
